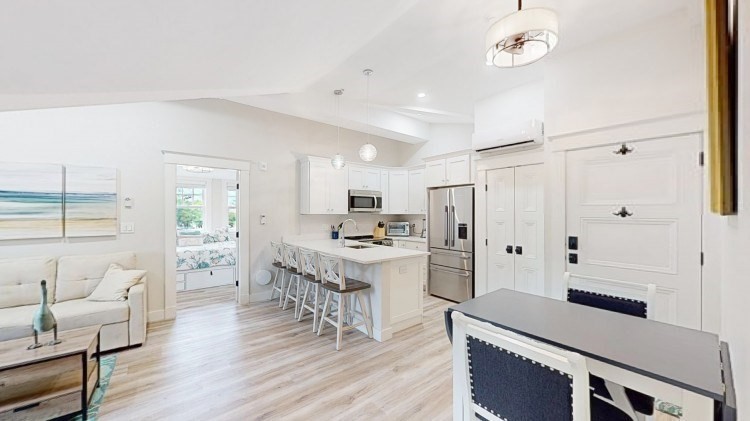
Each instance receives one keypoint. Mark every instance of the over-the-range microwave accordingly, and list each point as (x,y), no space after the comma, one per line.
(365,201)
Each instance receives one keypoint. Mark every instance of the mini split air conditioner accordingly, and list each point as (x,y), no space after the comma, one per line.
(512,136)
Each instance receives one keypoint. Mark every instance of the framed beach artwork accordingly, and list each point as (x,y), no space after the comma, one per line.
(31,201)
(90,201)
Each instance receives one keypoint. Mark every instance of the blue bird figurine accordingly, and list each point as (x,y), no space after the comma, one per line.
(43,321)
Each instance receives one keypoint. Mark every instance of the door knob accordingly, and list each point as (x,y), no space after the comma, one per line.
(519,250)
(509,249)
(623,213)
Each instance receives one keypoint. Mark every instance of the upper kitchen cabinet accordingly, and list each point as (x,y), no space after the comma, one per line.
(398,192)
(417,196)
(364,178)
(323,189)
(386,192)
(450,171)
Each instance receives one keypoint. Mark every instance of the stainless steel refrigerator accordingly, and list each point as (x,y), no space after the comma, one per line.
(451,239)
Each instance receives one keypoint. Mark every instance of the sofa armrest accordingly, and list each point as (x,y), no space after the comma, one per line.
(138,303)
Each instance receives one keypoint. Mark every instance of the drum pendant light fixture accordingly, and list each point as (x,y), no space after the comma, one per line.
(522,37)
(368,152)
(337,161)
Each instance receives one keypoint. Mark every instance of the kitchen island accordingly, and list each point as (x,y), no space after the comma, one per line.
(396,276)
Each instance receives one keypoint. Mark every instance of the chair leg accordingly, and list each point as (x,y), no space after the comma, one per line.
(304,301)
(283,283)
(365,313)
(297,297)
(316,307)
(340,321)
(325,311)
(286,296)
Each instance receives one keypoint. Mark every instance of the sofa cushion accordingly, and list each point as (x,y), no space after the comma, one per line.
(78,276)
(15,322)
(73,314)
(116,283)
(20,279)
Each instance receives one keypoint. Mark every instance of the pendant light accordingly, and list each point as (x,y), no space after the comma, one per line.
(368,152)
(338,160)
(522,37)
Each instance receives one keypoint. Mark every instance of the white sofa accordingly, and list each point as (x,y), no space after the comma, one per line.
(70,279)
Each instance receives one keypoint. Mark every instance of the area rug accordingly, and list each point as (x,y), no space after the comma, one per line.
(107,366)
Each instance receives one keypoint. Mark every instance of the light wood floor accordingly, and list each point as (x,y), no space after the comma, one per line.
(221,361)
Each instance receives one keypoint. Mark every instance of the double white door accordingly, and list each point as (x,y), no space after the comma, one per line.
(634,211)
(515,229)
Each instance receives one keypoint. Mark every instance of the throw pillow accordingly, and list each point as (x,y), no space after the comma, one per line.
(115,284)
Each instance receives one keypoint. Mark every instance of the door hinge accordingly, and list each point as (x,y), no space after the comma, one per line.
(238,186)
(485,187)
(702,259)
(701,158)
(237,234)
(486,242)
(236,283)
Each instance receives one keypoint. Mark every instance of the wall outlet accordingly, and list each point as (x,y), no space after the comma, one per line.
(263,220)
(127,228)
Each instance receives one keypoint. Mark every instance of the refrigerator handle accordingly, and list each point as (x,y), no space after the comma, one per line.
(447,224)
(453,225)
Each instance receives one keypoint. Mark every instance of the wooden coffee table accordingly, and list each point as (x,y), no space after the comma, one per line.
(50,381)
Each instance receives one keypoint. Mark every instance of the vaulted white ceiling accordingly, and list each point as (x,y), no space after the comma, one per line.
(285,55)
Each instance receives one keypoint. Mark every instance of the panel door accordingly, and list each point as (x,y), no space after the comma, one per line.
(357,178)
(384,189)
(372,179)
(338,191)
(458,170)
(398,184)
(417,202)
(500,229)
(637,217)
(435,173)
(529,229)
(318,187)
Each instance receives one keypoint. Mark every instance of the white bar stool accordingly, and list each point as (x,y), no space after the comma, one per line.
(335,284)
(291,258)
(311,279)
(278,263)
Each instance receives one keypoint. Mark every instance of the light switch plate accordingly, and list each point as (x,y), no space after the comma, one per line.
(127,228)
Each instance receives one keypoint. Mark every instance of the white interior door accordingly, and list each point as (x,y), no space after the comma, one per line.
(529,231)
(500,229)
(637,215)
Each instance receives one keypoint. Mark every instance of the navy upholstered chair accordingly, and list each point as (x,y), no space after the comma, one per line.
(500,375)
(622,297)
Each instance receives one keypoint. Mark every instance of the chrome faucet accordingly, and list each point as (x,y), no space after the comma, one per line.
(342,234)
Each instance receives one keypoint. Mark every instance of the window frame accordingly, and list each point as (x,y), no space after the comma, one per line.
(204,209)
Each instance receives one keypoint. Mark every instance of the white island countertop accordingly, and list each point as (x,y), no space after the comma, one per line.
(369,255)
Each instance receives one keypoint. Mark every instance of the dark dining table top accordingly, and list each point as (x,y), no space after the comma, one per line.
(687,358)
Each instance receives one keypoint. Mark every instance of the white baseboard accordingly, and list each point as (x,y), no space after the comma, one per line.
(156,316)
(260,296)
(170,313)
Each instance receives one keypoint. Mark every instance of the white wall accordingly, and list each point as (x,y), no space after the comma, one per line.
(647,72)
(444,138)
(131,138)
(520,104)
(736,242)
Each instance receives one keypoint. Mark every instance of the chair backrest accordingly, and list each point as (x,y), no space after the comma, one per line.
(608,294)
(291,256)
(332,269)
(499,375)
(278,252)
(308,260)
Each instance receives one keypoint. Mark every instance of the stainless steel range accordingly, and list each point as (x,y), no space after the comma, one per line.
(372,240)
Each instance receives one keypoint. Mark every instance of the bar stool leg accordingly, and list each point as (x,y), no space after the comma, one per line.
(365,313)
(288,290)
(316,307)
(281,293)
(297,308)
(325,311)
(304,300)
(340,321)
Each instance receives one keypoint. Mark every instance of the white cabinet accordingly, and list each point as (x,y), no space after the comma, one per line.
(417,196)
(384,189)
(450,171)
(323,189)
(398,192)
(364,178)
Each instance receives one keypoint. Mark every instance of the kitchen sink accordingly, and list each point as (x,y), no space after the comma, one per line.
(359,246)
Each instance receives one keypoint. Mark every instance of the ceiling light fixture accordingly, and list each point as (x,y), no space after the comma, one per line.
(368,152)
(522,37)
(337,161)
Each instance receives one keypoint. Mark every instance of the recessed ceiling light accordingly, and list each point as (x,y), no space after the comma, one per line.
(421,95)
